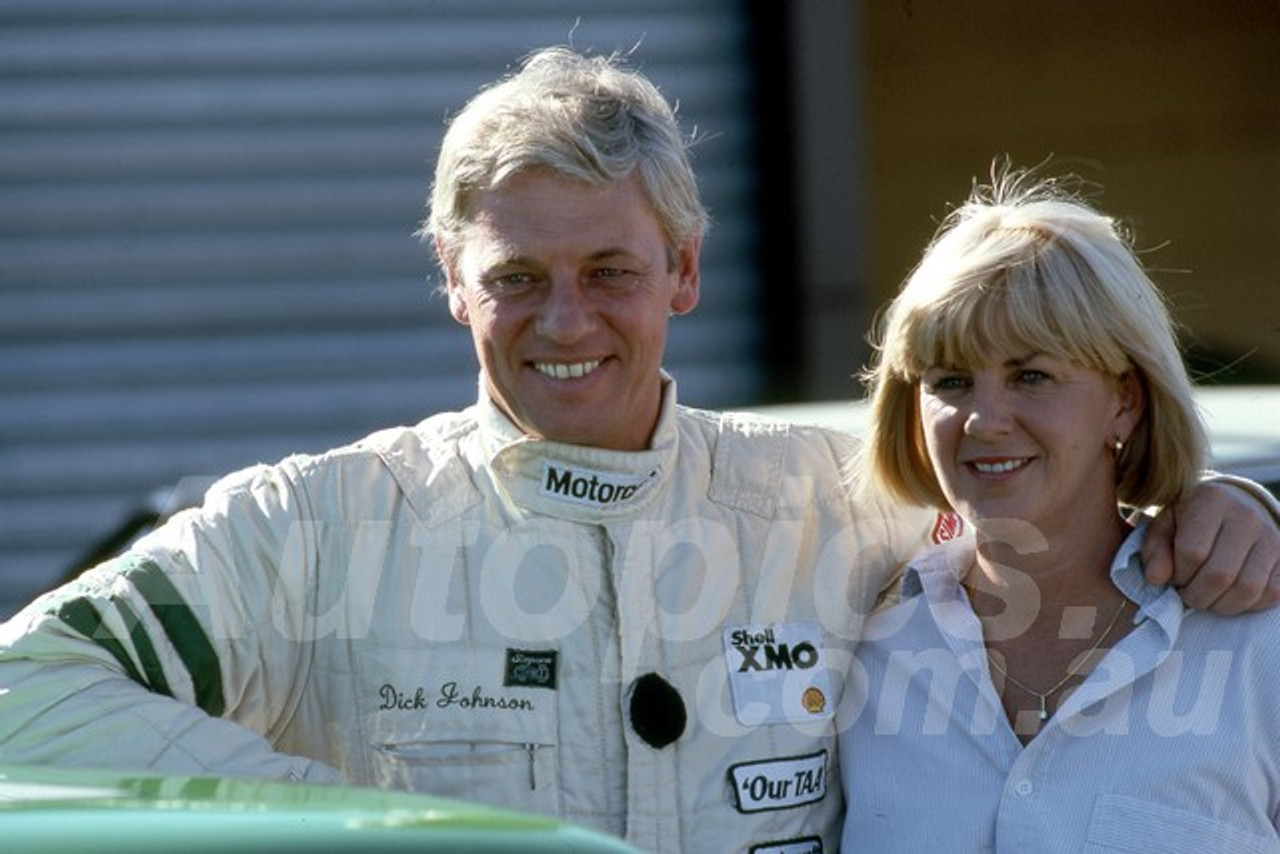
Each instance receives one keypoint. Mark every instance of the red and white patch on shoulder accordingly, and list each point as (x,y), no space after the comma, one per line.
(948,526)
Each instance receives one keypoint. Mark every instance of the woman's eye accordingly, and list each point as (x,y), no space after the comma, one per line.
(951,382)
(1032,377)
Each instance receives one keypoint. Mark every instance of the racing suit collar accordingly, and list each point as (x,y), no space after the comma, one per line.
(578,482)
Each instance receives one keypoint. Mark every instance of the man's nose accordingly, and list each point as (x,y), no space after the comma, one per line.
(566,314)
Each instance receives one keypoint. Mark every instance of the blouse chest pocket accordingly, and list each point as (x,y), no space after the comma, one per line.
(481,724)
(1122,823)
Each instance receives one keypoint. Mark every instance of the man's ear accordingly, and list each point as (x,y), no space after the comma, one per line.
(453,285)
(686,294)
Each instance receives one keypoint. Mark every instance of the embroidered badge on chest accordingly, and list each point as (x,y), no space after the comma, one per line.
(778,674)
(779,784)
(530,668)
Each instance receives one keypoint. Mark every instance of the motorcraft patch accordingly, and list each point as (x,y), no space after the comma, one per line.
(530,668)
(778,673)
(779,784)
(590,487)
(803,845)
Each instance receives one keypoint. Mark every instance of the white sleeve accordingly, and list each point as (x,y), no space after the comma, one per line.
(87,715)
(157,659)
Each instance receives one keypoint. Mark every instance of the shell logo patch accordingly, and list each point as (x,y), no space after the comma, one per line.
(778,673)
(814,701)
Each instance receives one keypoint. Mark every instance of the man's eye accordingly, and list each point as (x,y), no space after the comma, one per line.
(508,283)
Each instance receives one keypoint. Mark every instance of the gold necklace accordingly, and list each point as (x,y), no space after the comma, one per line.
(1072,671)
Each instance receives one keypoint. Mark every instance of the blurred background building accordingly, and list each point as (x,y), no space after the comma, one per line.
(207,206)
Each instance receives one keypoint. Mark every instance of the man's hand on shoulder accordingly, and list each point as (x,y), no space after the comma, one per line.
(1220,546)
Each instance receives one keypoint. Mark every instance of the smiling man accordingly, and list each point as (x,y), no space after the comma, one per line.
(575,597)
(567,288)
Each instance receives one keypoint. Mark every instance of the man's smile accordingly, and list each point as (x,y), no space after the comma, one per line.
(566,370)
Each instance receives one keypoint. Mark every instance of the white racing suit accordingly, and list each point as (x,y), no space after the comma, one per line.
(650,643)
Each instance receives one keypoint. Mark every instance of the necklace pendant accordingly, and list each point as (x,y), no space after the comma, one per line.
(1044,709)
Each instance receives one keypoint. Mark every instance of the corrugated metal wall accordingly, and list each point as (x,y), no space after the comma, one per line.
(206,210)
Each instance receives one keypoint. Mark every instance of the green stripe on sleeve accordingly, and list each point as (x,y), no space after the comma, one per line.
(83,617)
(145,649)
(184,632)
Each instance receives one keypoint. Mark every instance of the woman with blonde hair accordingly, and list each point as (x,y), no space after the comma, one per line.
(1031,691)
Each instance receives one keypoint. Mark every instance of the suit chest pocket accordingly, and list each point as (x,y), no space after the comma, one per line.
(460,726)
